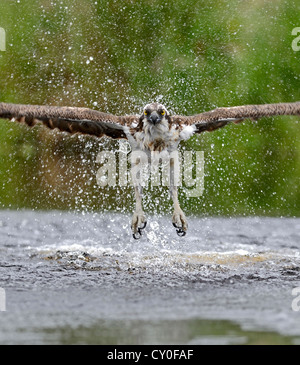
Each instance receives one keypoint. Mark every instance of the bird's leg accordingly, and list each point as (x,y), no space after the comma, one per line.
(138,220)
(178,219)
(138,223)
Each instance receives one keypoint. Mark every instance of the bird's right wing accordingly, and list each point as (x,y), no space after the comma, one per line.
(69,119)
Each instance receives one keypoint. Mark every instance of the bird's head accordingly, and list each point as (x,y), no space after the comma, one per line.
(154,113)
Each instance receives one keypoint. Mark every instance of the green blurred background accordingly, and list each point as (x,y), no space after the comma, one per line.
(116,56)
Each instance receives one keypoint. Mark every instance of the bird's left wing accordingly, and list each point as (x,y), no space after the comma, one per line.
(220,117)
(69,119)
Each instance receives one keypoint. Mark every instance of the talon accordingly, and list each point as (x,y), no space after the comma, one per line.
(138,223)
(137,235)
(180,223)
(144,226)
(180,232)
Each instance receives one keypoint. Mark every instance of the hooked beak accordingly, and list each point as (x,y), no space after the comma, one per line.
(154,118)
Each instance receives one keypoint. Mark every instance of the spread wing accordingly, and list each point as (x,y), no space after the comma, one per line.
(220,117)
(69,119)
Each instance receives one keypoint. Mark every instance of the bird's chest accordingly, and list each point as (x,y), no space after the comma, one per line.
(156,139)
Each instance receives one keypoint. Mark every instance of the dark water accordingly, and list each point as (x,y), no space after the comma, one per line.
(73,278)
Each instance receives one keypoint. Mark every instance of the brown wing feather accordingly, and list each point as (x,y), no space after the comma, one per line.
(69,119)
(218,118)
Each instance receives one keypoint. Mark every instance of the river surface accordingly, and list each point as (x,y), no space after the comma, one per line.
(72,278)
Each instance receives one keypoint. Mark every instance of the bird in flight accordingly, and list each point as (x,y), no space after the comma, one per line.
(155,130)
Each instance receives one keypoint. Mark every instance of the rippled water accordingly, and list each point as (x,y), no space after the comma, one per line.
(74,278)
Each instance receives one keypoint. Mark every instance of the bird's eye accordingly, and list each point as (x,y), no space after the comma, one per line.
(162,112)
(145,112)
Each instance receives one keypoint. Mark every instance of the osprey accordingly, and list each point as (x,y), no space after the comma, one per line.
(155,130)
